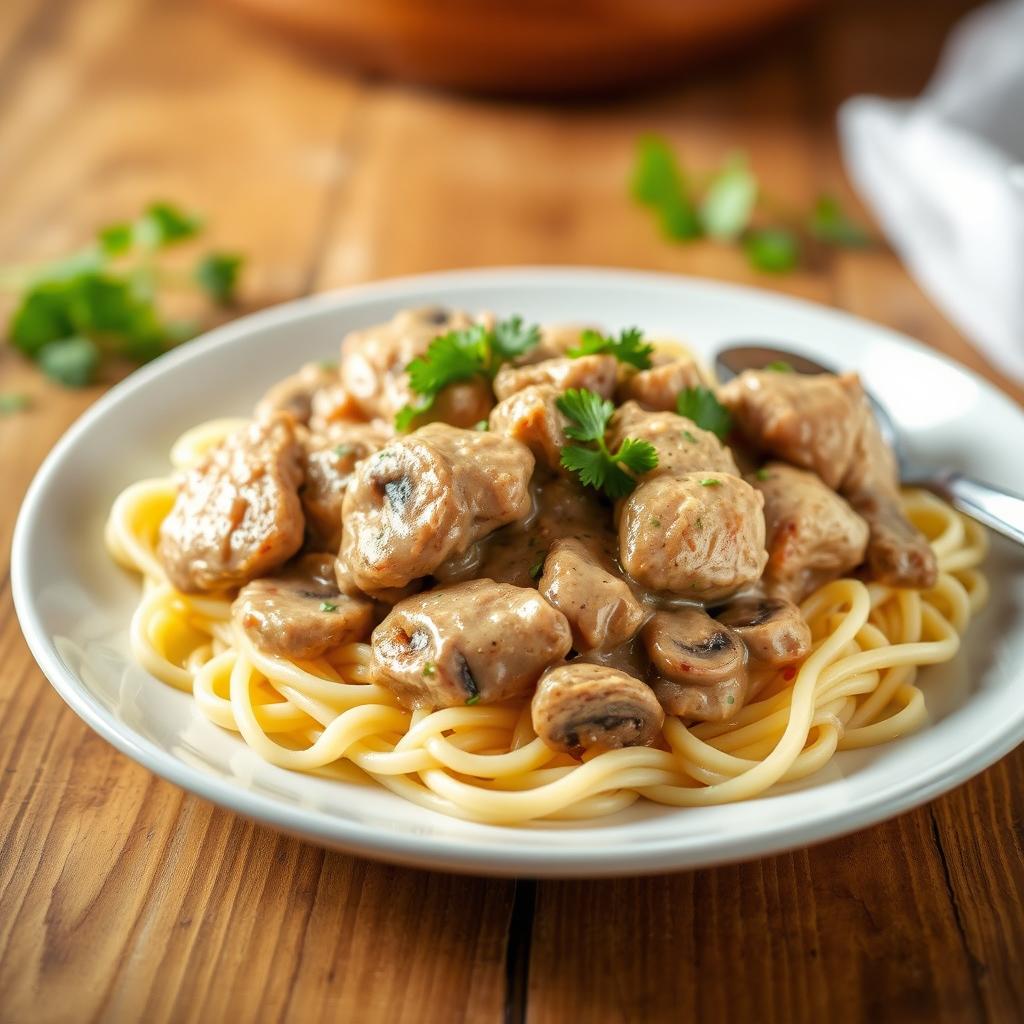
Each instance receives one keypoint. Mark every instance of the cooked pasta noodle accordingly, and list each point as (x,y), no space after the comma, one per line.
(858,687)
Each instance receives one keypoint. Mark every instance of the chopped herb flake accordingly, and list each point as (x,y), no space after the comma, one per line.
(779,366)
(430,669)
(537,569)
(710,481)
(327,606)
(13,402)
(655,522)
(763,474)
(475,699)
(688,436)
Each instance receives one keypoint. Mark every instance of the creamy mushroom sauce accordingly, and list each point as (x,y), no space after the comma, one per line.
(480,570)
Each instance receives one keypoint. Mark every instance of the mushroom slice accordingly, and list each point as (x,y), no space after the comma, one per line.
(476,642)
(595,373)
(600,607)
(701,664)
(426,497)
(300,613)
(580,706)
(772,628)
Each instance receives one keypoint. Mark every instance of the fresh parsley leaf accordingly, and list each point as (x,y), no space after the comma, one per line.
(773,250)
(217,274)
(537,569)
(462,355)
(475,699)
(163,224)
(829,223)
(13,401)
(710,481)
(72,362)
(328,606)
(778,366)
(702,407)
(729,203)
(763,474)
(628,347)
(598,467)
(42,316)
(482,426)
(116,239)
(658,182)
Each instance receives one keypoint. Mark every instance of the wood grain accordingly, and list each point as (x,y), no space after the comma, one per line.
(122,898)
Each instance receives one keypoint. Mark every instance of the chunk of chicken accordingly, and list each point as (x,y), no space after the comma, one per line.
(295,394)
(682,446)
(328,464)
(824,423)
(333,408)
(813,535)
(595,373)
(701,665)
(658,388)
(374,360)
(699,535)
(475,642)
(579,707)
(300,613)
(600,607)
(237,514)
(773,629)
(532,417)
(428,496)
(812,421)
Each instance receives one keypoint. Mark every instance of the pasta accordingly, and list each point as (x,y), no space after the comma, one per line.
(858,687)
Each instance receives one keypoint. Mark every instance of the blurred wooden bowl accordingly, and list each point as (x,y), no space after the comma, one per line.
(522,46)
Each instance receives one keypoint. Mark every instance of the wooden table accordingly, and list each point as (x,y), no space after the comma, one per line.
(122,898)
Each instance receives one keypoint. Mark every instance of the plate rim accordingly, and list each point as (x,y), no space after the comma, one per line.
(437,851)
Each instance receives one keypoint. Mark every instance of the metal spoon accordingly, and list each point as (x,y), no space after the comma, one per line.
(998,509)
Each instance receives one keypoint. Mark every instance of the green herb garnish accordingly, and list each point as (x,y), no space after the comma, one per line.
(710,481)
(429,669)
(12,402)
(327,606)
(829,223)
(343,450)
(537,569)
(773,250)
(101,303)
(475,699)
(481,425)
(658,182)
(778,366)
(629,347)
(702,407)
(689,436)
(763,474)
(729,203)
(598,467)
(462,355)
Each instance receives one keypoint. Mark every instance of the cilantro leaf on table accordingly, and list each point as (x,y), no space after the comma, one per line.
(461,355)
(628,347)
(72,361)
(829,223)
(14,401)
(773,250)
(658,182)
(599,467)
(702,407)
(729,203)
(217,274)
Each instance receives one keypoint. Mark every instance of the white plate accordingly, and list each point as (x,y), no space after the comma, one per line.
(74,604)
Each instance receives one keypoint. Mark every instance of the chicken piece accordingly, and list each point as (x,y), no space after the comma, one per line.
(532,417)
(813,535)
(812,421)
(428,496)
(300,613)
(580,706)
(699,535)
(701,665)
(600,607)
(328,464)
(657,389)
(596,373)
(682,446)
(374,360)
(295,394)
(773,629)
(555,342)
(332,407)
(898,553)
(237,514)
(475,642)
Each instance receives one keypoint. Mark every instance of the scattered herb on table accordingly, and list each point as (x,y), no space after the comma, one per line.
(702,407)
(597,466)
(73,314)
(628,347)
(14,401)
(461,355)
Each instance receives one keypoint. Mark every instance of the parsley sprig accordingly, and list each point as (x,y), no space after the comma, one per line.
(102,301)
(462,355)
(702,407)
(598,467)
(628,347)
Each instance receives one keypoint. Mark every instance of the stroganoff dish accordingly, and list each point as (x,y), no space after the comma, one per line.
(514,573)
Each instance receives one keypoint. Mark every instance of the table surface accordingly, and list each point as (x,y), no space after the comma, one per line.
(123,898)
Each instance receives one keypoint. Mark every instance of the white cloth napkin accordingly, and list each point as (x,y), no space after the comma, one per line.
(944,174)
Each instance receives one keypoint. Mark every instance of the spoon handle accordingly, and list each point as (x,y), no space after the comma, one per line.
(1000,510)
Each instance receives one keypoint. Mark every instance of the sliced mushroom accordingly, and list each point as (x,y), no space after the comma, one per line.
(295,394)
(300,612)
(595,373)
(426,497)
(701,664)
(581,706)
(477,642)
(773,629)
(600,607)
